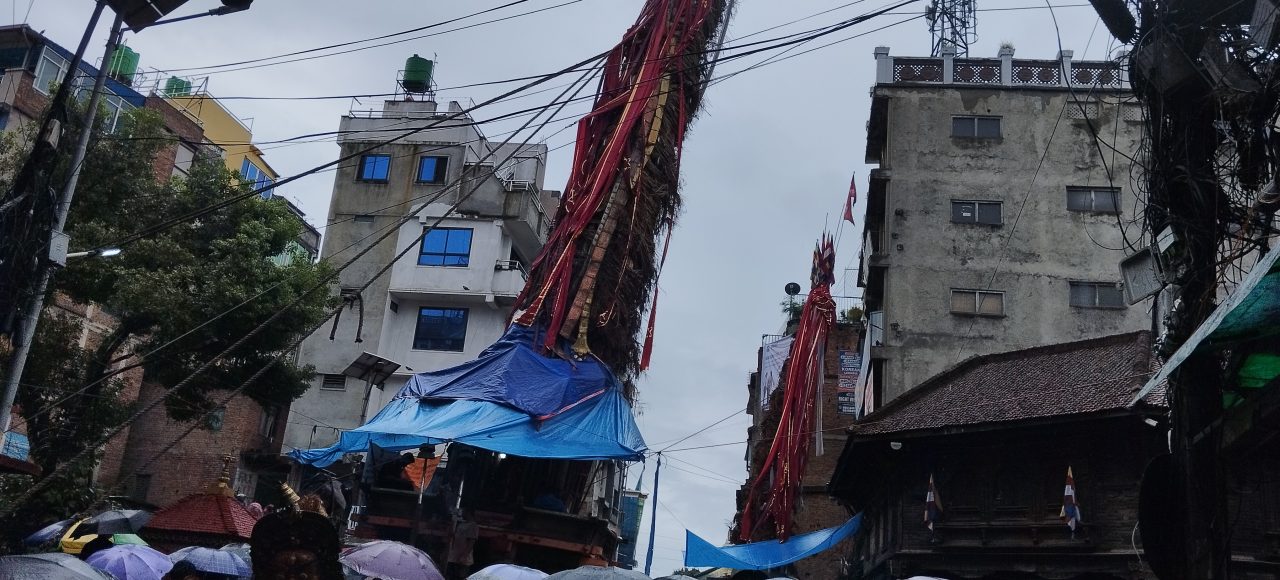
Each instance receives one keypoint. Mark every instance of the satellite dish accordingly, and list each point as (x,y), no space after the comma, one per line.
(791,288)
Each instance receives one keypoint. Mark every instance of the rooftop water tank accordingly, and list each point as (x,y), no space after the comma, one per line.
(417,74)
(177,87)
(123,64)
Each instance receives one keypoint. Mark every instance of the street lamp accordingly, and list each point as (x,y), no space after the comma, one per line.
(99,253)
(137,14)
(228,7)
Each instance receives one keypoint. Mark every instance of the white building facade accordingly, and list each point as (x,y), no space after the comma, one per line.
(450,295)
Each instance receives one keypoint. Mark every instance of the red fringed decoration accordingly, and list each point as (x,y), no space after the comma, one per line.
(789,452)
(591,281)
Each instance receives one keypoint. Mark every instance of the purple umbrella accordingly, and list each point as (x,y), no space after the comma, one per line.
(131,562)
(391,561)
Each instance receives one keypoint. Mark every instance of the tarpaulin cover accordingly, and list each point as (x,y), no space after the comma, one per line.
(1251,311)
(495,402)
(510,372)
(768,554)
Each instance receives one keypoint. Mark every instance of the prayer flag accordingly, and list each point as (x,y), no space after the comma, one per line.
(932,505)
(853,198)
(1070,509)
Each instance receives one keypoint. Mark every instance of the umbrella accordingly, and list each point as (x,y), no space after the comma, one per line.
(391,561)
(48,567)
(131,562)
(73,541)
(48,533)
(241,550)
(598,573)
(507,572)
(213,561)
(114,522)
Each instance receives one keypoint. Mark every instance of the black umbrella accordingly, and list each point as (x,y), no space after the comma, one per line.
(113,522)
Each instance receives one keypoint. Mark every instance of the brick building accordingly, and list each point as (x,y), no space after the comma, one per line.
(32,65)
(817,510)
(997,433)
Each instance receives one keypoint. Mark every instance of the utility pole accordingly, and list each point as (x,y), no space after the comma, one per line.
(41,162)
(1184,195)
(26,330)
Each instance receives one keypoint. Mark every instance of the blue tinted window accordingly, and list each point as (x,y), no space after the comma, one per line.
(446,247)
(440,329)
(375,167)
(432,169)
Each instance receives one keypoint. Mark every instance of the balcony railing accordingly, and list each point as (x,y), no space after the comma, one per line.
(1000,71)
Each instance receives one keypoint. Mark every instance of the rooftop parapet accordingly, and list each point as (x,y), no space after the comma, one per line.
(1002,71)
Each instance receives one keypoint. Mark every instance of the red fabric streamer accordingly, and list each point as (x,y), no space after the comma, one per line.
(651,51)
(789,452)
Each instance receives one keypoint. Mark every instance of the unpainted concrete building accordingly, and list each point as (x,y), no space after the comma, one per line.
(1004,200)
(449,296)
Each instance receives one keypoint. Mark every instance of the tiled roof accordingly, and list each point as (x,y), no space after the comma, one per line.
(1074,378)
(206,514)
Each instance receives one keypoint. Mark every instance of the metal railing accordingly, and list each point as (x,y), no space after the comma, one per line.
(1000,71)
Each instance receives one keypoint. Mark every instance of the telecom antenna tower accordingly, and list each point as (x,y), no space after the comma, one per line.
(952,23)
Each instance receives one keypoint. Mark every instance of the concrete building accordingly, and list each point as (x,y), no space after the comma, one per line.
(448,297)
(1000,210)
(227,131)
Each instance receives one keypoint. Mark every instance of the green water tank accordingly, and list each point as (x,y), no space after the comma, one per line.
(124,64)
(177,87)
(417,74)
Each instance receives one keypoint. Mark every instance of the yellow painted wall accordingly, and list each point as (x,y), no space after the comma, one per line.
(225,130)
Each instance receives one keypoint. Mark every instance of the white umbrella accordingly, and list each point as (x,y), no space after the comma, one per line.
(598,573)
(508,572)
(391,561)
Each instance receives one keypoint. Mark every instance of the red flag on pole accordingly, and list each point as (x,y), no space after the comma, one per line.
(853,198)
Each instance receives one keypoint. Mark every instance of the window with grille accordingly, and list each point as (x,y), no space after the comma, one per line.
(975,126)
(1094,199)
(334,382)
(1097,295)
(977,212)
(977,302)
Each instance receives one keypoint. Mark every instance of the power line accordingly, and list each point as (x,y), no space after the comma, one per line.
(195,214)
(376,38)
(43,483)
(238,343)
(695,433)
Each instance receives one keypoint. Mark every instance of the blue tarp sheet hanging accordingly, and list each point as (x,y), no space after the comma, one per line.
(765,555)
(1251,311)
(510,372)
(509,400)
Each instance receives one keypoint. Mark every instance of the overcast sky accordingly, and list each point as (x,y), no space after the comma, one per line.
(766,164)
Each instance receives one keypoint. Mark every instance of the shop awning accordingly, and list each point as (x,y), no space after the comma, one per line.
(768,554)
(1252,311)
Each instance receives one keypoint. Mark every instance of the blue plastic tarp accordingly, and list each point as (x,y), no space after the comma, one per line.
(512,373)
(1251,311)
(768,554)
(510,400)
(600,428)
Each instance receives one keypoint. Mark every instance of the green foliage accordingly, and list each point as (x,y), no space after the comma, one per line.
(792,307)
(175,286)
(54,372)
(853,314)
(167,284)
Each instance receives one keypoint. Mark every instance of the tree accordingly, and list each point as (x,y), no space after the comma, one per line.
(193,289)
